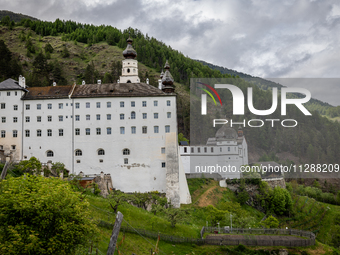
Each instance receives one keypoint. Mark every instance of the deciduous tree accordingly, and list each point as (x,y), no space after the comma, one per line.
(42,215)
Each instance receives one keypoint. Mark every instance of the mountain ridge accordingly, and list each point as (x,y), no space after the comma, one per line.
(16,17)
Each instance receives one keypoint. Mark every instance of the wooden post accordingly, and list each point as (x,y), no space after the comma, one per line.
(115,232)
(4,171)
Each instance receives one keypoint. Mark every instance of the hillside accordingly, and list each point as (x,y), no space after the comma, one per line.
(264,84)
(208,192)
(68,52)
(212,205)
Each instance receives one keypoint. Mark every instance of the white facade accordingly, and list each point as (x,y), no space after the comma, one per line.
(87,135)
(41,127)
(123,136)
(227,149)
(11,110)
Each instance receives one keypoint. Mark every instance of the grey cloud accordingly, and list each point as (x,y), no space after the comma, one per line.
(326,89)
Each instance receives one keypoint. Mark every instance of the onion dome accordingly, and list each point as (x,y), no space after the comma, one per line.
(167,66)
(129,52)
(167,80)
(226,133)
(167,77)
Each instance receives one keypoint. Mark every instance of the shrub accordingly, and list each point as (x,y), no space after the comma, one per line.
(271,222)
(42,216)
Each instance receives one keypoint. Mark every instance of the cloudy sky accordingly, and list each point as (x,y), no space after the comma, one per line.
(277,38)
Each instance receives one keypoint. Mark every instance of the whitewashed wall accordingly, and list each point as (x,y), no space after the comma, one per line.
(225,154)
(9,113)
(144,171)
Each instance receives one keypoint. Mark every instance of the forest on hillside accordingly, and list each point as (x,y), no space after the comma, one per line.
(317,139)
(151,52)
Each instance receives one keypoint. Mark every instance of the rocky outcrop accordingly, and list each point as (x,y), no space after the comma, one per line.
(104,182)
(253,190)
(276,182)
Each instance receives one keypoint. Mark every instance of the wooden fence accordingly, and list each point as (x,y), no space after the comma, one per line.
(260,231)
(308,238)
(303,238)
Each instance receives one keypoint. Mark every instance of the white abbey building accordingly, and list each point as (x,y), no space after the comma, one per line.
(127,129)
(227,148)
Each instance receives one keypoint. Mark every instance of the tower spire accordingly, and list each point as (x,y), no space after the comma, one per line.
(167,80)
(129,52)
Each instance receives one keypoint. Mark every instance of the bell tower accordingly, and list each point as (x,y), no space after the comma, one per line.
(129,65)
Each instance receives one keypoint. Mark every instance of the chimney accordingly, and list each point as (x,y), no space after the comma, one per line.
(99,82)
(54,84)
(147,80)
(81,174)
(160,84)
(118,81)
(83,83)
(102,174)
(22,81)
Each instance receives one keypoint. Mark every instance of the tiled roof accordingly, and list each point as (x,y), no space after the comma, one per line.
(95,90)
(117,90)
(47,92)
(10,84)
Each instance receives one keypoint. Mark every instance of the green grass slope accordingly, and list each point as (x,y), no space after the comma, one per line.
(311,215)
(308,215)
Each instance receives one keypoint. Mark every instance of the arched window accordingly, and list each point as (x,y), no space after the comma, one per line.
(128,81)
(101,152)
(78,153)
(49,154)
(126,152)
(133,115)
(128,70)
